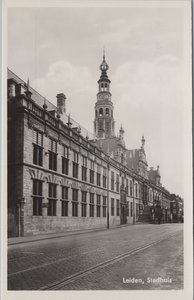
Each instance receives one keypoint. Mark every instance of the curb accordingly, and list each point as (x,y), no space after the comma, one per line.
(32,239)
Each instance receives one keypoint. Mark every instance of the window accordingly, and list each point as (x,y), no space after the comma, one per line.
(84,203)
(136,190)
(91,204)
(104,207)
(137,210)
(127,208)
(98,205)
(84,168)
(98,179)
(74,202)
(52,154)
(75,164)
(91,171)
(64,201)
(112,181)
(131,188)
(38,148)
(100,112)
(127,186)
(118,210)
(123,181)
(112,207)
(107,112)
(131,209)
(104,177)
(37,197)
(52,198)
(65,160)
(117,183)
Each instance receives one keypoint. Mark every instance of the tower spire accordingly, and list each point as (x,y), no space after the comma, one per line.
(104,121)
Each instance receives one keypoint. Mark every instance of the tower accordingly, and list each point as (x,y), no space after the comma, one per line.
(104,122)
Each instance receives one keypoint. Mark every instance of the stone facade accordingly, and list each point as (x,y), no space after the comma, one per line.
(60,180)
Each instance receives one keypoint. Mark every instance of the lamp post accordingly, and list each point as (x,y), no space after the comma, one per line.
(108,167)
(134,221)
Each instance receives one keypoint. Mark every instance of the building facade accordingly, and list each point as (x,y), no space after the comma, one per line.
(60,179)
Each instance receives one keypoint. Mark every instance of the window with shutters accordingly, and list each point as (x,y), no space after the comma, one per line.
(52,154)
(37,197)
(52,199)
(37,148)
(64,201)
(65,160)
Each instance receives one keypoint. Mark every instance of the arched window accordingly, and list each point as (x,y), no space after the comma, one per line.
(107,112)
(102,85)
(100,112)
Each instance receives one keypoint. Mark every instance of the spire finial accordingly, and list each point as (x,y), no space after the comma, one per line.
(142,141)
(103,53)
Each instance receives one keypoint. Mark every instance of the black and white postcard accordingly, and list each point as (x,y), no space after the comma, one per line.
(97,150)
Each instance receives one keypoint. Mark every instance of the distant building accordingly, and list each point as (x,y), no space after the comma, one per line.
(62,178)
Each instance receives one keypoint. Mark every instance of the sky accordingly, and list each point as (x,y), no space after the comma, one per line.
(60,51)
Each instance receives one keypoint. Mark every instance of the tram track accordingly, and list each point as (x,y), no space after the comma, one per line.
(60,283)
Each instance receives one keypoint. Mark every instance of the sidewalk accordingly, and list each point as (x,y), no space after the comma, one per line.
(47,236)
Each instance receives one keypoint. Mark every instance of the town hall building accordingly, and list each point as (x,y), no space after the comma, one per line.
(60,179)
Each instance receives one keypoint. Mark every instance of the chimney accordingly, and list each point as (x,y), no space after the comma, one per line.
(61,98)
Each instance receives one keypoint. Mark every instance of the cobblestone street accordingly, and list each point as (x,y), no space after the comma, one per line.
(130,257)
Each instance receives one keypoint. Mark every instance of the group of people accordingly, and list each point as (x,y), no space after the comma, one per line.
(157,214)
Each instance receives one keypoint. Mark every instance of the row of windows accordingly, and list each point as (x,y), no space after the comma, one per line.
(52,201)
(38,160)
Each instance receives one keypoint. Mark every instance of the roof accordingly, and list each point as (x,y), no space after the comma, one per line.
(152,174)
(132,157)
(109,145)
(39,99)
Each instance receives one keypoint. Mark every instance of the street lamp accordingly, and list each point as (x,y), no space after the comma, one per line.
(134,221)
(108,167)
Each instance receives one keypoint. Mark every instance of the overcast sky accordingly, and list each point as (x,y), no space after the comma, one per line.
(60,50)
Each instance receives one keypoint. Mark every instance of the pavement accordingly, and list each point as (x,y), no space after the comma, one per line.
(100,259)
(46,236)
